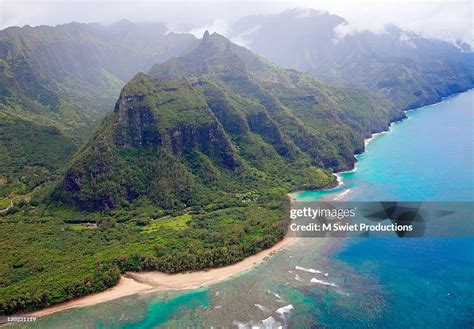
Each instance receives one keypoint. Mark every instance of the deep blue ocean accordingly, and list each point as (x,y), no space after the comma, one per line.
(350,283)
(428,157)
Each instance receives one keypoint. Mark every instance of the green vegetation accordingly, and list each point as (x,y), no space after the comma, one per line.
(183,176)
(398,65)
(57,84)
(30,154)
(224,121)
(52,254)
(191,171)
(4,203)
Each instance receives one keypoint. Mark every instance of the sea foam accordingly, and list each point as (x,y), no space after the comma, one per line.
(342,194)
(269,323)
(331,284)
(263,308)
(310,270)
(285,309)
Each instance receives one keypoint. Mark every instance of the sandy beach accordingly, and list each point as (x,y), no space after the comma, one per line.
(125,287)
(145,282)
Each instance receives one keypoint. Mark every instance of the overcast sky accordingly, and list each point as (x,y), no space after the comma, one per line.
(444,19)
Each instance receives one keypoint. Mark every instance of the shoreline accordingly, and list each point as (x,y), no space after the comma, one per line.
(338,182)
(374,136)
(132,283)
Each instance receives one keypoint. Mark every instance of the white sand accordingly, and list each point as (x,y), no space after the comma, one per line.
(143,282)
(125,287)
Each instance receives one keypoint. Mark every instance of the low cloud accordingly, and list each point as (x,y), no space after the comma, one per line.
(448,20)
(220,26)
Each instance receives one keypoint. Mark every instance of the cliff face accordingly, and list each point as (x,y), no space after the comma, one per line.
(157,129)
(69,74)
(220,120)
(140,122)
(304,111)
(67,78)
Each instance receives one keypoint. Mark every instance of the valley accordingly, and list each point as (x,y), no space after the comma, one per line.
(191,168)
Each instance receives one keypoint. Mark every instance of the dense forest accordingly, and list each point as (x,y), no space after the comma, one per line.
(191,167)
(58,83)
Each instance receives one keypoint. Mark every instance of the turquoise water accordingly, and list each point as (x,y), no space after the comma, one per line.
(351,283)
(427,157)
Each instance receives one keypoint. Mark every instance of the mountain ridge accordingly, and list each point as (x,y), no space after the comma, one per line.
(190,171)
(222,92)
(401,66)
(65,79)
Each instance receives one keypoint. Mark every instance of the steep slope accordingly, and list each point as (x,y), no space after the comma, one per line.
(29,153)
(70,73)
(312,116)
(161,132)
(401,66)
(66,78)
(190,171)
(220,119)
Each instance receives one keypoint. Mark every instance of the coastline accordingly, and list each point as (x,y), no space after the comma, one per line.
(338,182)
(371,138)
(132,283)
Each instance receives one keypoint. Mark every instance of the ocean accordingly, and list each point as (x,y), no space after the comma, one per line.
(344,283)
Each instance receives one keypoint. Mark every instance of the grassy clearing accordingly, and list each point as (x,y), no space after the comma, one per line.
(5,202)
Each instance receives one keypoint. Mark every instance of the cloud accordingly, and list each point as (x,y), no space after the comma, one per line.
(220,26)
(448,20)
(241,39)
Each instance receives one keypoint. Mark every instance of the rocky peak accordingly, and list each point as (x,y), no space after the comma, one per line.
(215,54)
(213,44)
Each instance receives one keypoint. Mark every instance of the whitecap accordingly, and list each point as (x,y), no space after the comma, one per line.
(270,323)
(298,278)
(285,309)
(263,308)
(274,294)
(310,270)
(342,194)
(240,325)
(331,284)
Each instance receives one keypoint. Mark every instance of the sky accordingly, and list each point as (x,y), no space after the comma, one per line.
(446,19)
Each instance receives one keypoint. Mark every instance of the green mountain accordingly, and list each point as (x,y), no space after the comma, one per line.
(220,120)
(190,171)
(401,66)
(30,153)
(65,79)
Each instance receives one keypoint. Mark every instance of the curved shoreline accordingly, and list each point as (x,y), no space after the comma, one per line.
(339,182)
(146,282)
(132,283)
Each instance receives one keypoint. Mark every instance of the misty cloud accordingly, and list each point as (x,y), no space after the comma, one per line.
(448,20)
